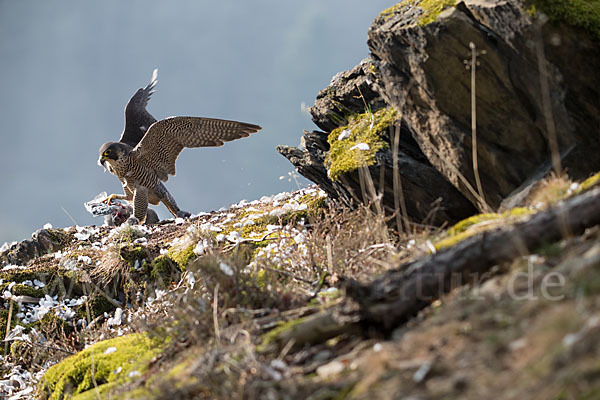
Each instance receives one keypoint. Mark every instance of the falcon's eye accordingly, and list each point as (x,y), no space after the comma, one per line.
(107,153)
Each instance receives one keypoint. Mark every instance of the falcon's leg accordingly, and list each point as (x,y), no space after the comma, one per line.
(140,205)
(163,194)
(127,196)
(113,196)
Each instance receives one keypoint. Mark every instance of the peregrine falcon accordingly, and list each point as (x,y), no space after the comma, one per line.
(145,155)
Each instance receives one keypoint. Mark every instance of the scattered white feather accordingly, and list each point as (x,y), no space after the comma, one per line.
(191,280)
(9,267)
(85,259)
(360,146)
(234,237)
(344,135)
(82,235)
(226,269)
(201,247)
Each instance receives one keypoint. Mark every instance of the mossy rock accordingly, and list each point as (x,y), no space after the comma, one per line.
(97,304)
(589,183)
(182,255)
(56,280)
(130,254)
(23,290)
(101,367)
(367,128)
(274,337)
(58,236)
(315,206)
(584,14)
(430,9)
(162,268)
(50,322)
(475,224)
(127,234)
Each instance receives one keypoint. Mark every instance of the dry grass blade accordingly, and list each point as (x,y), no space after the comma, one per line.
(546,101)
(216,314)
(9,319)
(485,207)
(399,202)
(474,120)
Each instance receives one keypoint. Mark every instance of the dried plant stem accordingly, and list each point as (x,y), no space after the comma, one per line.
(462,179)
(8,320)
(216,314)
(93,373)
(474,120)
(289,274)
(373,198)
(329,252)
(546,102)
(399,203)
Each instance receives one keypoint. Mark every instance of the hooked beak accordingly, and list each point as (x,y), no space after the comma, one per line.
(102,161)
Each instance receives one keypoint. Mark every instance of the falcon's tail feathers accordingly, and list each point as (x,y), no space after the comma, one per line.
(153,81)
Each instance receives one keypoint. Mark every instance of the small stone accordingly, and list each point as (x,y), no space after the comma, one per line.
(328,370)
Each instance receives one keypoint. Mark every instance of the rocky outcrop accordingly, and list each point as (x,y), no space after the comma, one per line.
(350,94)
(42,241)
(537,107)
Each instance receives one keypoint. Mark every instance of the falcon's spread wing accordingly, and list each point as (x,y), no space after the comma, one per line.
(165,139)
(137,119)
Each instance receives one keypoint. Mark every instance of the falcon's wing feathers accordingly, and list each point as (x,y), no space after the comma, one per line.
(137,119)
(165,139)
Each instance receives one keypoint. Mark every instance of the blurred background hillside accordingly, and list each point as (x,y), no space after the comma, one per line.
(68,68)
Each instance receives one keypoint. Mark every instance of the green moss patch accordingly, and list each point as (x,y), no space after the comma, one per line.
(581,13)
(363,129)
(23,290)
(101,366)
(276,335)
(130,254)
(431,9)
(182,255)
(479,223)
(97,305)
(589,182)
(163,268)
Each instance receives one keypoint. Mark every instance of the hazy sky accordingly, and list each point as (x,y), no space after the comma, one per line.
(69,67)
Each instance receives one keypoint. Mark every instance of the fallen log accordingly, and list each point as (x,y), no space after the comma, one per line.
(400,294)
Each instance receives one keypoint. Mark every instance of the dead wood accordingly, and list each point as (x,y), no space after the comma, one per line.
(398,295)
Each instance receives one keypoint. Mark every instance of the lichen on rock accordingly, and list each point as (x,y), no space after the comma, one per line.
(580,13)
(101,367)
(430,9)
(355,145)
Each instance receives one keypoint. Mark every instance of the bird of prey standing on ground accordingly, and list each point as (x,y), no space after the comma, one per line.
(145,155)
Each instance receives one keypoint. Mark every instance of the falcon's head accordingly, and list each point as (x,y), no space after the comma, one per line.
(111,152)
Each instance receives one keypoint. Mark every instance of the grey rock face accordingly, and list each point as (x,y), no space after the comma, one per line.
(528,92)
(349,92)
(42,241)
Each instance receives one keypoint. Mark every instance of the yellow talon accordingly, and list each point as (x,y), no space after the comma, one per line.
(109,199)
